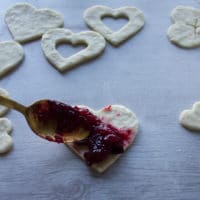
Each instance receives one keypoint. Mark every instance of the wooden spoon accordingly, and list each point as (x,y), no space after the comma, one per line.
(44,125)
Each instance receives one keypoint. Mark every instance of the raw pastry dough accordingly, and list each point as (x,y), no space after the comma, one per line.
(94,41)
(26,22)
(120,117)
(11,54)
(185,32)
(3,109)
(190,119)
(93,18)
(6,141)
(5,125)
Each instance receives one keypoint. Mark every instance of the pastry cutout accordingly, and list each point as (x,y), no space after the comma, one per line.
(11,54)
(190,119)
(94,41)
(185,32)
(26,22)
(6,141)
(3,109)
(93,18)
(120,117)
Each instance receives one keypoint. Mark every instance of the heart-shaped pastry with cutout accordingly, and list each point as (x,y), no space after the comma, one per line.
(93,18)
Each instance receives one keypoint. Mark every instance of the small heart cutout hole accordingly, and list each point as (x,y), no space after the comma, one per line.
(115,23)
(67,49)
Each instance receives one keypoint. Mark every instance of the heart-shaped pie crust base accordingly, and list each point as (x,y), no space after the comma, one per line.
(93,18)
(185,32)
(95,45)
(121,118)
(26,22)
(11,54)
(190,119)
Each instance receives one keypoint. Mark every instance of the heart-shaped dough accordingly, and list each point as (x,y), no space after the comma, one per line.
(11,54)
(26,22)
(185,32)
(3,109)
(94,41)
(190,119)
(121,118)
(6,141)
(93,18)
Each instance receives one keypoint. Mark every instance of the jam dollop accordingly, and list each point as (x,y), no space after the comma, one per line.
(104,139)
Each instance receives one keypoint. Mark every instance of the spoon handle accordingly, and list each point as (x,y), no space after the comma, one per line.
(12,104)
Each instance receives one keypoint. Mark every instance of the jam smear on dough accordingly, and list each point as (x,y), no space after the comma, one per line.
(104,139)
(108,108)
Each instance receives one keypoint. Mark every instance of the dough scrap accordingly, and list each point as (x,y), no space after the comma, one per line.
(11,54)
(190,119)
(120,117)
(94,41)
(185,32)
(3,109)
(5,125)
(93,18)
(6,141)
(26,22)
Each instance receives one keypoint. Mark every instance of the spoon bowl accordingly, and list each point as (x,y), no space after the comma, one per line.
(50,120)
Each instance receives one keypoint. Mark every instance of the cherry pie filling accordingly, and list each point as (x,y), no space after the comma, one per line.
(104,139)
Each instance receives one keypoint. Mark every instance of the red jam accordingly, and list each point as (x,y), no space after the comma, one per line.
(104,139)
(108,108)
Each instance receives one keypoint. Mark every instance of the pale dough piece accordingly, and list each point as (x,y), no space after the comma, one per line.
(11,54)
(94,41)
(120,117)
(3,109)
(5,125)
(26,22)
(190,119)
(93,18)
(6,141)
(185,32)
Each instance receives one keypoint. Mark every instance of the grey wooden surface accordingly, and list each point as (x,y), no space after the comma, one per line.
(148,74)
